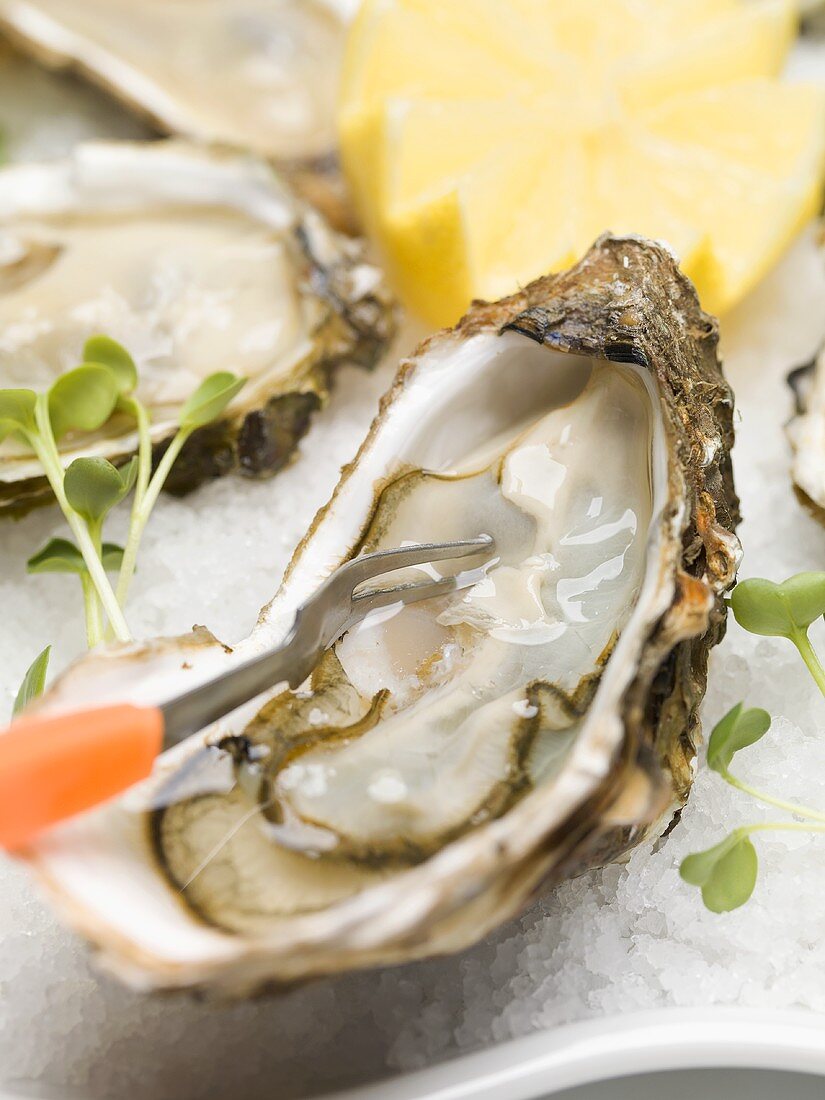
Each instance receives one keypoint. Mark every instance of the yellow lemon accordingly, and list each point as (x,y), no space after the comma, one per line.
(490,141)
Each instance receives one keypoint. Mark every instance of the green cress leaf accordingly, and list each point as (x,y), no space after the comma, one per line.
(93,485)
(62,556)
(698,867)
(758,606)
(57,556)
(17,412)
(737,730)
(33,682)
(210,399)
(805,596)
(779,610)
(128,475)
(82,399)
(112,556)
(108,352)
(726,873)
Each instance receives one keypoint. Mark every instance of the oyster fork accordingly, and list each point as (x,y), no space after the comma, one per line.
(55,766)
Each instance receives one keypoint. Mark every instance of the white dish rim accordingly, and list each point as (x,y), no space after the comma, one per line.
(539,1065)
(583,1053)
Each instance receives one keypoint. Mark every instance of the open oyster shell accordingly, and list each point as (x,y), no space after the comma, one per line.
(447,761)
(806,428)
(806,432)
(260,74)
(197,260)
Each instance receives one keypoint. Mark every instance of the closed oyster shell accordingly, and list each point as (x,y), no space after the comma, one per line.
(259,74)
(197,260)
(210,896)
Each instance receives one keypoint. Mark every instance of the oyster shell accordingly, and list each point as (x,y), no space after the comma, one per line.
(196,260)
(806,428)
(259,74)
(446,761)
(806,431)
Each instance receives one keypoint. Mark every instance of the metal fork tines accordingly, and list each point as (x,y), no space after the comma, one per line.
(337,606)
(381,562)
(341,602)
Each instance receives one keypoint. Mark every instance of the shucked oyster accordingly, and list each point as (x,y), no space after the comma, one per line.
(196,261)
(260,74)
(447,760)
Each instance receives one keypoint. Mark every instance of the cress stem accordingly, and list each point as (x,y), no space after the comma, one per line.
(136,520)
(91,607)
(45,448)
(806,650)
(782,826)
(144,451)
(777,803)
(141,512)
(96,533)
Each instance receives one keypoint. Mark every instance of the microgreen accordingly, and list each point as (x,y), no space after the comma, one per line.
(109,353)
(81,401)
(62,556)
(57,556)
(737,730)
(94,486)
(33,682)
(209,400)
(205,405)
(784,611)
(727,872)
(780,610)
(17,415)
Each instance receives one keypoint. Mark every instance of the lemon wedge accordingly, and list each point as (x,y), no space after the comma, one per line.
(488,142)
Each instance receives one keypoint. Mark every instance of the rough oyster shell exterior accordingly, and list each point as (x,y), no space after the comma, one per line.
(627,303)
(347,312)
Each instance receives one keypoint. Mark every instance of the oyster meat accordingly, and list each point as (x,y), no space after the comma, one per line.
(448,759)
(259,74)
(196,261)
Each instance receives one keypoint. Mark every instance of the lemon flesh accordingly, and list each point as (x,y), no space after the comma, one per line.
(489,143)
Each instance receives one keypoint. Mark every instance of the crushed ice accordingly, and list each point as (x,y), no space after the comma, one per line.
(626,938)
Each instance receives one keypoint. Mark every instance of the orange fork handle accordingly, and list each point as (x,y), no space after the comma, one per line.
(54,767)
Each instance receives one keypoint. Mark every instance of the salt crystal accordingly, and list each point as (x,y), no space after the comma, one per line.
(608,943)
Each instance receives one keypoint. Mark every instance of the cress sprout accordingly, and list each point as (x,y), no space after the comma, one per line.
(727,872)
(81,401)
(33,682)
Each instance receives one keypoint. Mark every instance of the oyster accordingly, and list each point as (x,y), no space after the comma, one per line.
(449,759)
(260,74)
(195,260)
(806,431)
(806,428)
